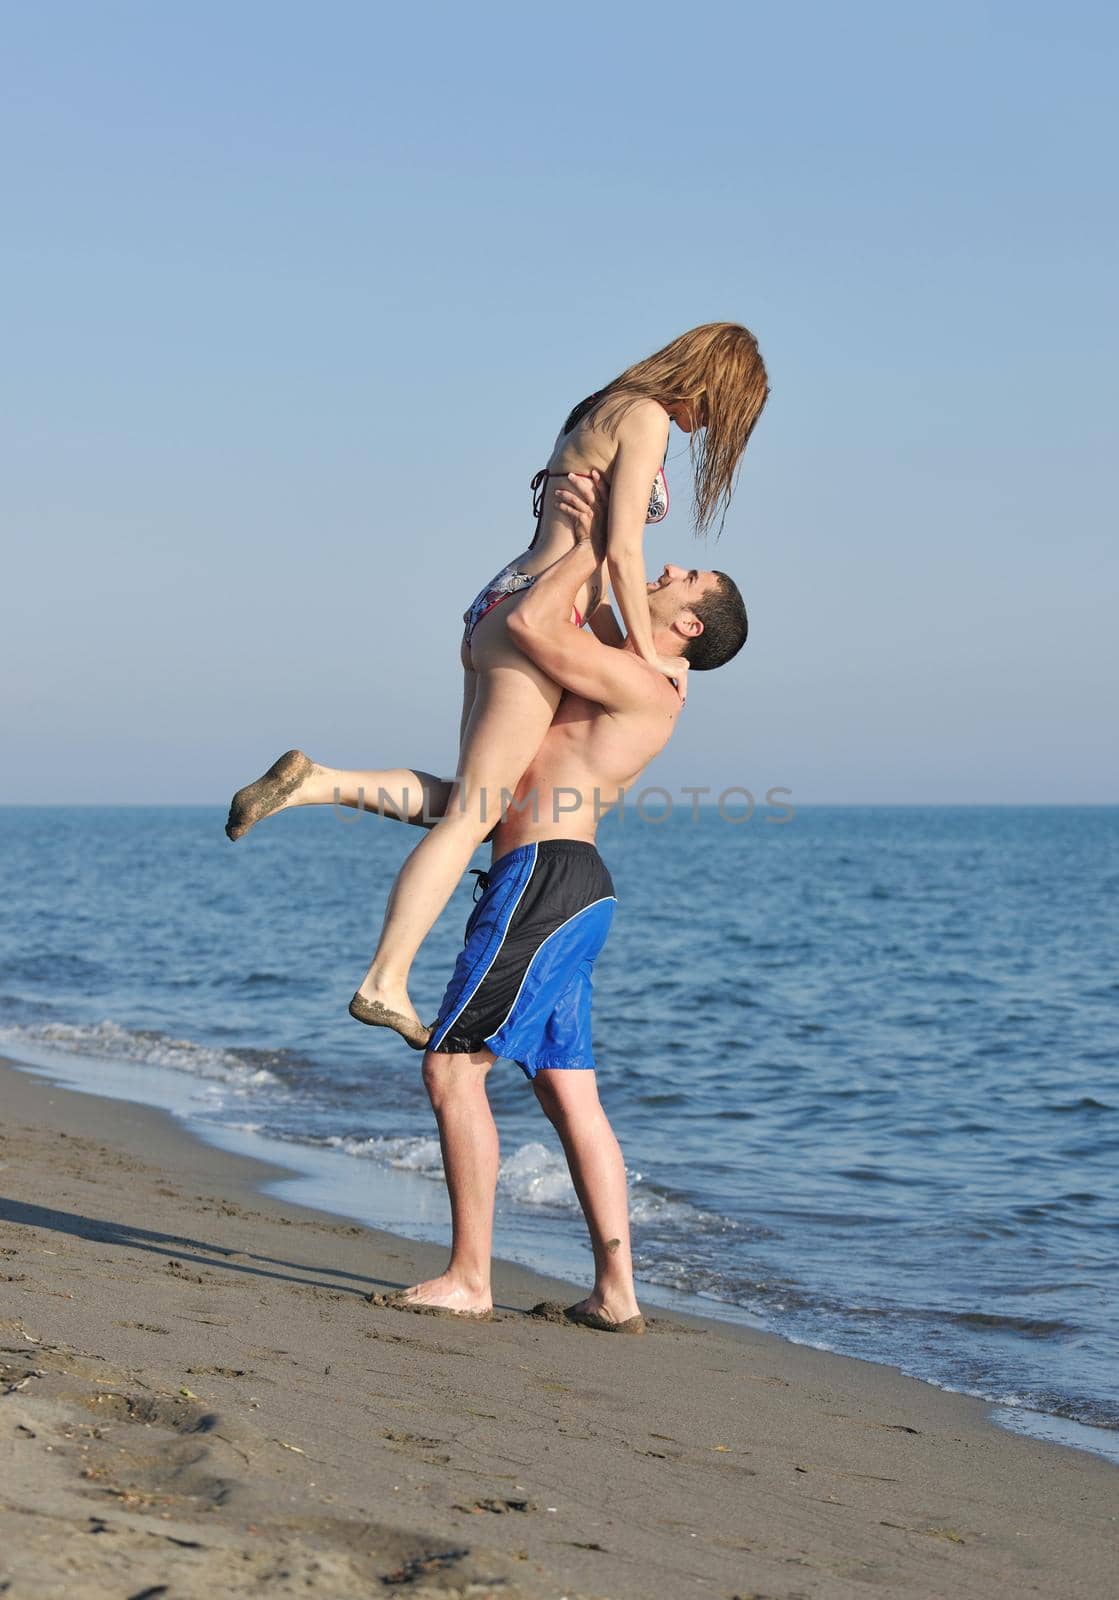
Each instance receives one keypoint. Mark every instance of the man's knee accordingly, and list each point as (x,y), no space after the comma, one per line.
(446,1075)
(544,1090)
(438,1076)
(554,1093)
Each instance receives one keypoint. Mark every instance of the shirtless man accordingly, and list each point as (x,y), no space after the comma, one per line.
(521,988)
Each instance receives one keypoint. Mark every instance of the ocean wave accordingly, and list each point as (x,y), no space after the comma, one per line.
(141,1046)
(407,1155)
(533,1175)
(1089,1411)
(536,1176)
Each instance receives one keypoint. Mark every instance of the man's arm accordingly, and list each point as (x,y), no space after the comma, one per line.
(539,624)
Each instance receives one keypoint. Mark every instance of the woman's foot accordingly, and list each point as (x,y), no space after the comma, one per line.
(445,1293)
(276,790)
(400,1015)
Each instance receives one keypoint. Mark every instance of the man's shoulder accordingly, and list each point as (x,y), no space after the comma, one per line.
(623,664)
(648,693)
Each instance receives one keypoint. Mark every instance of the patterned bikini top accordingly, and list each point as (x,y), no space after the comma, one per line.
(658,495)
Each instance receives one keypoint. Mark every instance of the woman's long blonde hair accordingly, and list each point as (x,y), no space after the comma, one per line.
(719,370)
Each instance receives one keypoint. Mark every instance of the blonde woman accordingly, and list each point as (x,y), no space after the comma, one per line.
(712,383)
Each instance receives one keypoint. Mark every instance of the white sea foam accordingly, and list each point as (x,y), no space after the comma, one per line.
(532,1175)
(109,1041)
(407,1155)
(536,1176)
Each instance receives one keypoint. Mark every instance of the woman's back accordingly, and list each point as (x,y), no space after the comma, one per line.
(586,445)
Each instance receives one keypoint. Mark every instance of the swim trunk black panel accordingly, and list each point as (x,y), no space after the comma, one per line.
(522,985)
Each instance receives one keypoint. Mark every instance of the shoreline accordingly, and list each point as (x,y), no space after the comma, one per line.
(403,1204)
(233,1326)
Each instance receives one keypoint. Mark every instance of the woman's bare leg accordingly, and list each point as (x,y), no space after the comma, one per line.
(511,714)
(456,1086)
(296,780)
(469,694)
(402,794)
(570,1101)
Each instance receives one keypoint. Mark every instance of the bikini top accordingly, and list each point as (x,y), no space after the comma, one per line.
(658,495)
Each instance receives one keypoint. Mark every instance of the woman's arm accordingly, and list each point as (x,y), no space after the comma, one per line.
(605,625)
(642,439)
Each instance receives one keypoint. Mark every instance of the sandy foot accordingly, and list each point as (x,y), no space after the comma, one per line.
(269,793)
(378,1015)
(443,1294)
(588,1314)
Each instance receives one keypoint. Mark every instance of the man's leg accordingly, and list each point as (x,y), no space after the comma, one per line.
(456,1086)
(570,1101)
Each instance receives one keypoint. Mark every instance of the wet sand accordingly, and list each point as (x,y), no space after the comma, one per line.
(198,1399)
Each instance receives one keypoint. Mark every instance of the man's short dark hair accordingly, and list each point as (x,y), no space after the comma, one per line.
(722,611)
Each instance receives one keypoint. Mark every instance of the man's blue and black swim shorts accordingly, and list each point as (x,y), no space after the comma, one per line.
(522,985)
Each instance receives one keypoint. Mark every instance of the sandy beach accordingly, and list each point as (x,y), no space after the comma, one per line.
(198,1398)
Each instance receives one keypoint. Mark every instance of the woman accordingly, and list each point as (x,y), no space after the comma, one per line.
(711,380)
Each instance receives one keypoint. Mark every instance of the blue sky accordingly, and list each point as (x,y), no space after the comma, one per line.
(299,295)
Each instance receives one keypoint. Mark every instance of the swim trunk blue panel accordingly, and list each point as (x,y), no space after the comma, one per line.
(522,985)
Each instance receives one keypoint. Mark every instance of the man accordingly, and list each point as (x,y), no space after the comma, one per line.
(521,988)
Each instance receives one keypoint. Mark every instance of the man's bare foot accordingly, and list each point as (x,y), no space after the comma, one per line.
(400,1015)
(598,1312)
(275,791)
(445,1293)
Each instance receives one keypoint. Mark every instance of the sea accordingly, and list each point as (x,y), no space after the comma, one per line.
(863,1063)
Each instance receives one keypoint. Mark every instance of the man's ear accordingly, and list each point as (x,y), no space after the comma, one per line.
(688,625)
